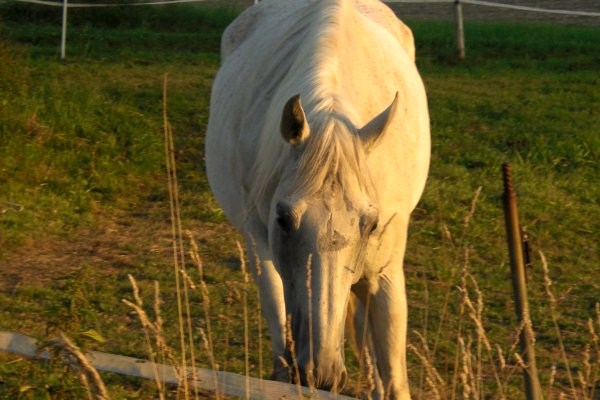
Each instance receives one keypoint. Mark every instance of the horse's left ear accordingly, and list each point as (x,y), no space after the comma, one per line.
(294,127)
(374,128)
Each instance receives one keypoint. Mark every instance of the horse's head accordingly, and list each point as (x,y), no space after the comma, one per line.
(322,215)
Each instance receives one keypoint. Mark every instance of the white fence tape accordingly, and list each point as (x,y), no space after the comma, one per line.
(503,5)
(473,2)
(228,383)
(91,5)
(532,9)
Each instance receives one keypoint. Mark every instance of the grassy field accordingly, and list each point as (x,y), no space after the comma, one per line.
(84,196)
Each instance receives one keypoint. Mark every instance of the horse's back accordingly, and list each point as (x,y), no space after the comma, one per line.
(381,14)
(267,13)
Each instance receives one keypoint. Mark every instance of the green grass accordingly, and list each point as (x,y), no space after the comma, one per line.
(84,198)
(525,95)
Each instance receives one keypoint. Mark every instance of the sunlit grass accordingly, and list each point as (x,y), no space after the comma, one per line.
(81,159)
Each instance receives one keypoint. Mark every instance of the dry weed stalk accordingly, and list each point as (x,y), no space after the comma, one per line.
(204,293)
(363,343)
(516,337)
(294,370)
(596,345)
(551,381)
(158,323)
(154,329)
(157,313)
(370,372)
(259,319)
(476,315)
(79,363)
(501,358)
(459,248)
(433,379)
(436,394)
(148,327)
(472,374)
(520,362)
(465,269)
(310,372)
(209,350)
(432,371)
(178,251)
(425,322)
(554,315)
(232,294)
(585,376)
(245,311)
(258,309)
(466,372)
(471,212)
(511,350)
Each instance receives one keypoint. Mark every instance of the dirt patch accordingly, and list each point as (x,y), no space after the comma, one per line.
(110,248)
(121,242)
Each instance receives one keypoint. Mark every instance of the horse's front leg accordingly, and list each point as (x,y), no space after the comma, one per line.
(388,318)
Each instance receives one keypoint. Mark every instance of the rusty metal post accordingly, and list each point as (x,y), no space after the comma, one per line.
(517,266)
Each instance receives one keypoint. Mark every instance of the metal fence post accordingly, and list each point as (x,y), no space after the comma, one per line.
(517,265)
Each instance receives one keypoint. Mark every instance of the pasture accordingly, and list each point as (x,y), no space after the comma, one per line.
(84,199)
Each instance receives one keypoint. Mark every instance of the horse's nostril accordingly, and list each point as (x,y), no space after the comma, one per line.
(368,223)
(330,379)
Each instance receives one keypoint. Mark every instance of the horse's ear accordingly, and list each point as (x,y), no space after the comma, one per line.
(374,128)
(294,127)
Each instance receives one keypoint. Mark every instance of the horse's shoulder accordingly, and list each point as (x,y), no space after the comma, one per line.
(383,16)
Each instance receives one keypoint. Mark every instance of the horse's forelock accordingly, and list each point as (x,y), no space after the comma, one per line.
(333,154)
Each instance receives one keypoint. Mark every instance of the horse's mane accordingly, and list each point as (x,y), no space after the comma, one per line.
(333,149)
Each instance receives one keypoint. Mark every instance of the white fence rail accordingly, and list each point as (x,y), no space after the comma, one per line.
(227,382)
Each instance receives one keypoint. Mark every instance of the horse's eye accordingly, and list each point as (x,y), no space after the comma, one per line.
(285,223)
(285,218)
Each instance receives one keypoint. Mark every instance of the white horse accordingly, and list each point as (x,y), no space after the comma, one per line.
(318,150)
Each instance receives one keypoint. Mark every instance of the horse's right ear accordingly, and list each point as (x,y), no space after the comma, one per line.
(294,127)
(377,126)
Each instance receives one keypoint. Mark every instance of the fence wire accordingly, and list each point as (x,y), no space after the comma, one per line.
(471,2)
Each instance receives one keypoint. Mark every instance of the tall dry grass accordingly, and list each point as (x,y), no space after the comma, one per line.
(481,369)
(184,283)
